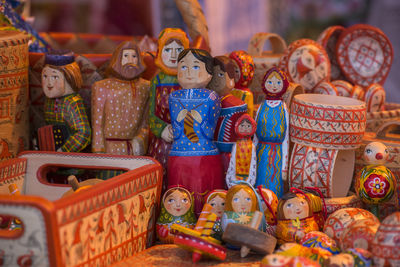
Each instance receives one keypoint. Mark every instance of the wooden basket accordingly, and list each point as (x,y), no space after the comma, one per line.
(376,119)
(98,226)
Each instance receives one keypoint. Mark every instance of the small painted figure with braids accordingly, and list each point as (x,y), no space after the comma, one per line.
(272,134)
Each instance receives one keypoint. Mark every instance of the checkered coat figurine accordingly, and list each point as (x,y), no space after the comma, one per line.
(68,127)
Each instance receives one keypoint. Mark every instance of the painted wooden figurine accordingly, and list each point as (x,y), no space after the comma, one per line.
(272,134)
(216,199)
(232,108)
(242,166)
(375,184)
(119,105)
(64,108)
(176,207)
(270,208)
(295,218)
(244,72)
(171,42)
(194,160)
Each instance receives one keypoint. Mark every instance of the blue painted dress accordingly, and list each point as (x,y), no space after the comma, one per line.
(271,145)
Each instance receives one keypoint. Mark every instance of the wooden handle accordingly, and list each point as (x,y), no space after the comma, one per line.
(382,132)
(256,44)
(255,223)
(73,182)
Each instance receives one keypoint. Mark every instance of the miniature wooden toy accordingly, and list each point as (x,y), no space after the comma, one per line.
(14,110)
(295,218)
(244,71)
(306,62)
(176,208)
(375,183)
(120,105)
(359,234)
(362,257)
(194,160)
(294,249)
(344,88)
(318,205)
(198,240)
(243,162)
(375,97)
(64,109)
(276,260)
(316,239)
(171,42)
(386,242)
(272,134)
(216,199)
(232,108)
(342,259)
(341,219)
(364,54)
(249,237)
(270,207)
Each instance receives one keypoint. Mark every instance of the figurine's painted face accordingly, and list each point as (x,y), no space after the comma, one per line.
(376,153)
(276,260)
(218,205)
(53,83)
(245,127)
(274,83)
(241,201)
(170,53)
(296,207)
(177,203)
(237,72)
(129,56)
(221,83)
(192,72)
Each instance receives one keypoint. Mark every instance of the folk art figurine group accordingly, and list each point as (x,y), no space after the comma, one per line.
(197,118)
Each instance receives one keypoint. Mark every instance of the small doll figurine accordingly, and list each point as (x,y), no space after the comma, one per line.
(295,218)
(242,166)
(216,199)
(232,108)
(272,134)
(119,105)
(171,42)
(194,160)
(244,72)
(64,108)
(176,207)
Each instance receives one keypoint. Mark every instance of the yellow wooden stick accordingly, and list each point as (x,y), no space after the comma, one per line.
(203,217)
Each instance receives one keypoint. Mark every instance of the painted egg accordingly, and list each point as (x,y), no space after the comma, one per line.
(386,243)
(362,257)
(316,239)
(342,260)
(340,219)
(359,234)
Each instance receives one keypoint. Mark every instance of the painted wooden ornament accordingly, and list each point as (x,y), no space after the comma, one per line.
(344,88)
(358,93)
(276,260)
(306,62)
(376,120)
(365,54)
(293,89)
(216,199)
(362,257)
(198,240)
(318,205)
(375,97)
(328,39)
(342,260)
(336,203)
(341,219)
(316,239)
(359,234)
(387,242)
(325,88)
(270,207)
(176,208)
(316,254)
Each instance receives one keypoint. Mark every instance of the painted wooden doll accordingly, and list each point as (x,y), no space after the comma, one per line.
(119,105)
(270,208)
(232,108)
(242,166)
(194,160)
(171,42)
(176,207)
(295,218)
(272,134)
(64,108)
(216,199)
(244,72)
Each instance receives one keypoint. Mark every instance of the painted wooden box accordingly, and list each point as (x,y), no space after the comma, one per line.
(98,226)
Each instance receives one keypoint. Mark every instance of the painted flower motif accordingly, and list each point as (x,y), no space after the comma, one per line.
(377,185)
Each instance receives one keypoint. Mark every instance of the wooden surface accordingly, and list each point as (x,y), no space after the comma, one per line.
(172,255)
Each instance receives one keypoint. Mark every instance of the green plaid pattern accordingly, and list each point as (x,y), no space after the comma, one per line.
(70,111)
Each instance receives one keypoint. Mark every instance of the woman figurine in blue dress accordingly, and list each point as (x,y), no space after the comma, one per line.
(272,134)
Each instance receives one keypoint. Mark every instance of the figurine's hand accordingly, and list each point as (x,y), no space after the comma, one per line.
(163,232)
(167,134)
(137,147)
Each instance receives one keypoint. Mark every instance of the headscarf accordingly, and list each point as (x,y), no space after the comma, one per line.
(282,75)
(246,65)
(250,120)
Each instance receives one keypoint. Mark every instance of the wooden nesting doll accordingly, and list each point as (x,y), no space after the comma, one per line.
(176,207)
(272,134)
(244,72)
(232,108)
(216,199)
(194,160)
(64,109)
(295,218)
(242,165)
(171,42)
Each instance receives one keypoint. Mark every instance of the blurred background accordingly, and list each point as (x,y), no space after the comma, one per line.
(231,23)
